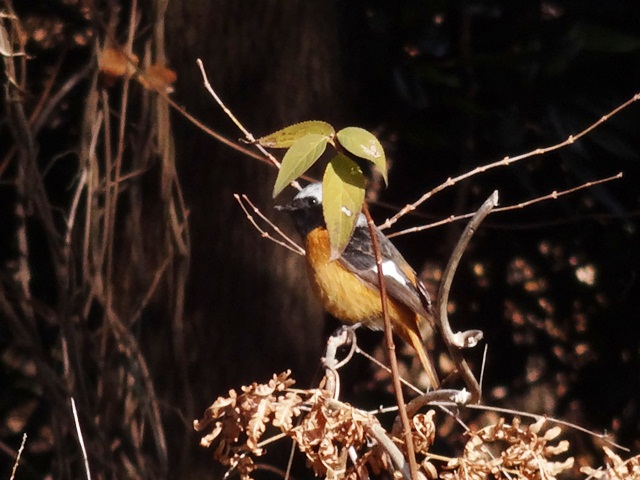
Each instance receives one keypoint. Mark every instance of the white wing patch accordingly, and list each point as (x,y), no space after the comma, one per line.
(390,269)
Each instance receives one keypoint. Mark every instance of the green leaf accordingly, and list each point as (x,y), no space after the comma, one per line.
(342,199)
(302,154)
(286,137)
(364,144)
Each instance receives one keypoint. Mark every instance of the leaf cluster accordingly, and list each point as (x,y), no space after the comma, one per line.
(343,182)
(342,441)
(511,450)
(323,429)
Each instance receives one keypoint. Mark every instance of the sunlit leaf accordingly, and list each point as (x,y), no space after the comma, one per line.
(302,154)
(342,199)
(286,137)
(364,144)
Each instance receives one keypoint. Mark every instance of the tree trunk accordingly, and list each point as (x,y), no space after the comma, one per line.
(250,310)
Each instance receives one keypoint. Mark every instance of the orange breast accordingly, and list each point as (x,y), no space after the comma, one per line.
(343,294)
(349,299)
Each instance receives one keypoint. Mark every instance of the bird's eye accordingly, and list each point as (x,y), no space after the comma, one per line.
(313,201)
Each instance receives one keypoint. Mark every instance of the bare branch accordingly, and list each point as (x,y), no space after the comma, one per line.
(373,360)
(288,243)
(76,422)
(443,297)
(377,432)
(551,196)
(17,462)
(506,161)
(248,135)
(340,337)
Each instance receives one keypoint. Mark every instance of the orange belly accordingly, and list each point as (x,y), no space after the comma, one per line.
(351,300)
(348,300)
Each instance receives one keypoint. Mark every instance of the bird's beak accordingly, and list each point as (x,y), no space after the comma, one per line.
(285,208)
(292,206)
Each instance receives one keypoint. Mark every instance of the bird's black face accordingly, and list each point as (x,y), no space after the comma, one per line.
(306,209)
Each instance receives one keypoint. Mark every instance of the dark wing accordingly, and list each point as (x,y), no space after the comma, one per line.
(400,279)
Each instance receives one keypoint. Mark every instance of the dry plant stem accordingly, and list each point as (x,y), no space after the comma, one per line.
(443,297)
(292,452)
(74,207)
(391,348)
(377,432)
(76,421)
(332,379)
(124,103)
(437,397)
(59,96)
(484,364)
(551,196)
(150,291)
(17,462)
(222,139)
(382,366)
(129,343)
(18,456)
(344,335)
(506,161)
(43,110)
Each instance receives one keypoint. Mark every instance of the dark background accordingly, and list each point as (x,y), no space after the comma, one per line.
(446,86)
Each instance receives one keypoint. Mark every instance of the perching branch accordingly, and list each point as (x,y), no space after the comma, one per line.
(343,336)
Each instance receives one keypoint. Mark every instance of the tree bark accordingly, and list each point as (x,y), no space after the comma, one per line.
(273,63)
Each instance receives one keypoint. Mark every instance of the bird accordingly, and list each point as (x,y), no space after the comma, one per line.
(348,286)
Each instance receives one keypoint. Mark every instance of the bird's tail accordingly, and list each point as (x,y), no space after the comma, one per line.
(412,337)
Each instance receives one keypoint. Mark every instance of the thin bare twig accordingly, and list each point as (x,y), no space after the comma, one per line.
(74,206)
(288,243)
(551,196)
(76,422)
(382,366)
(506,161)
(221,138)
(391,348)
(443,297)
(484,363)
(17,462)
(150,291)
(248,135)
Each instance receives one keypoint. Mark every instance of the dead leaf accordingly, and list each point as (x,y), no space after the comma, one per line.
(114,64)
(158,78)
